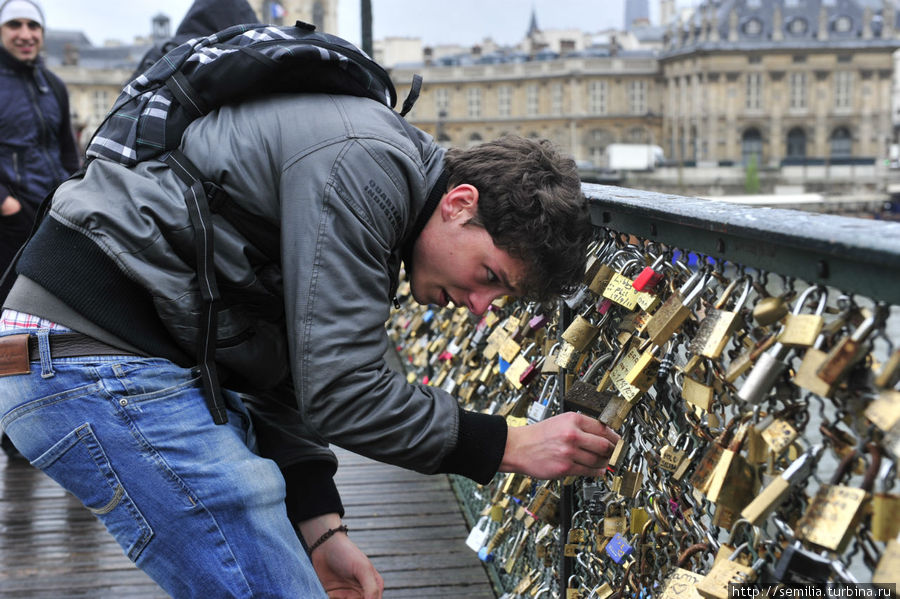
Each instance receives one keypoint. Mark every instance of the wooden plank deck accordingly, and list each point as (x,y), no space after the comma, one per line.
(410,525)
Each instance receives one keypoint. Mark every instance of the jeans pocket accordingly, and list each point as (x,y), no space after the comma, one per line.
(79,464)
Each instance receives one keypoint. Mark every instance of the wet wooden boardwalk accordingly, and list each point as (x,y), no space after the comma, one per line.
(410,525)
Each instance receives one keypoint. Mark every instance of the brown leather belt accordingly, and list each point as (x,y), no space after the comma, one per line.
(17,351)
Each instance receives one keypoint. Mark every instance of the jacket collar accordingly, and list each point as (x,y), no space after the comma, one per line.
(10,61)
(434,197)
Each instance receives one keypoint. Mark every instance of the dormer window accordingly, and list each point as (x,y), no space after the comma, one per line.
(843,24)
(797,26)
(753,27)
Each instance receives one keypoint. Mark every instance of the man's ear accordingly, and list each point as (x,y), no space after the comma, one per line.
(461,200)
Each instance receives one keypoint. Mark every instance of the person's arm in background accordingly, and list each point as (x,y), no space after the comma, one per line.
(68,150)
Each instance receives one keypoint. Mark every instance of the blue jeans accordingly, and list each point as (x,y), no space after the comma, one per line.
(187,500)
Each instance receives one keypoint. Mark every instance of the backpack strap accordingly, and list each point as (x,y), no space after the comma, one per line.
(201,222)
(414,89)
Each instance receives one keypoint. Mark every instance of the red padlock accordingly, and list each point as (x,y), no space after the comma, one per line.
(649,277)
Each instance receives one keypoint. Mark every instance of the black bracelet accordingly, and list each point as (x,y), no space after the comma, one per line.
(327,535)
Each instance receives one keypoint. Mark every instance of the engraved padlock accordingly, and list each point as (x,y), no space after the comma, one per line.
(717,326)
(849,350)
(583,394)
(669,317)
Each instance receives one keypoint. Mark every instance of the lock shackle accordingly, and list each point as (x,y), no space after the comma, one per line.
(695,291)
(752,534)
(805,295)
(751,549)
(595,366)
(850,460)
(691,281)
(552,380)
(745,293)
(874,320)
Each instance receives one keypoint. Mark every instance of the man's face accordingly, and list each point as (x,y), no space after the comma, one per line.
(22,38)
(457,261)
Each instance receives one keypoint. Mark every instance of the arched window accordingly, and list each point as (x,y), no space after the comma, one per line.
(841,143)
(751,145)
(474,139)
(796,143)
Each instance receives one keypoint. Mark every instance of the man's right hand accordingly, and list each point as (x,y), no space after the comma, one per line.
(564,445)
(10,206)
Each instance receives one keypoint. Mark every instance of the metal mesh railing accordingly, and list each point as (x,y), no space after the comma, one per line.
(746,356)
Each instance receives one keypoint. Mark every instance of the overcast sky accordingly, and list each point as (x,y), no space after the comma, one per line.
(434,21)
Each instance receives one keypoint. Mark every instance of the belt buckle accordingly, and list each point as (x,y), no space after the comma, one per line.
(14,355)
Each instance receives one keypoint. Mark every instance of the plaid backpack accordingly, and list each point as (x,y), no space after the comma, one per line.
(151,114)
(243,61)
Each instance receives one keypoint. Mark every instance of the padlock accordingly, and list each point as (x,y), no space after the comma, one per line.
(733,482)
(699,394)
(806,376)
(716,328)
(849,350)
(573,589)
(779,435)
(715,585)
(519,545)
(650,276)
(836,510)
(631,478)
(797,565)
(745,361)
(486,553)
(540,408)
(671,456)
(669,317)
(801,330)
(777,491)
(769,310)
(478,535)
(618,548)
(885,575)
(620,289)
(685,465)
(769,367)
(643,374)
(627,359)
(581,332)
(523,370)
(583,394)
(614,519)
(681,584)
(889,375)
(615,412)
(884,410)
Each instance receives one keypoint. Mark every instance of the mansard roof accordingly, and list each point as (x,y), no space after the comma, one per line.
(770,24)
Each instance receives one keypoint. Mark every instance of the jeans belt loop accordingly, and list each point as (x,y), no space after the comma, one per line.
(43,336)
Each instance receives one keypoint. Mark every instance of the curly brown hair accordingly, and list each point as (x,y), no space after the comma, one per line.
(530,202)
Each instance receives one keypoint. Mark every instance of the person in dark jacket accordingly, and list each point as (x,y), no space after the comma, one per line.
(37,147)
(204,17)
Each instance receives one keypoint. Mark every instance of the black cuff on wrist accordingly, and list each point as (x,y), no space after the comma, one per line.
(311,491)
(479,447)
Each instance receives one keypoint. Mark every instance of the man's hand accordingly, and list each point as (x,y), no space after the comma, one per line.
(567,444)
(344,570)
(10,206)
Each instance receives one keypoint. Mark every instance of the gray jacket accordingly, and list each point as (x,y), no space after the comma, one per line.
(342,181)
